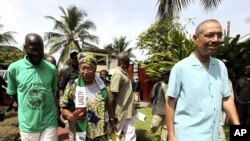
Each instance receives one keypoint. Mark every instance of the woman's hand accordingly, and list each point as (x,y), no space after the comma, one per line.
(77,114)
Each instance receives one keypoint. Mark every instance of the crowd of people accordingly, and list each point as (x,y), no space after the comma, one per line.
(187,103)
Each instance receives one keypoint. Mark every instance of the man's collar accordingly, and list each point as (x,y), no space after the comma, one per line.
(196,62)
(29,64)
(123,71)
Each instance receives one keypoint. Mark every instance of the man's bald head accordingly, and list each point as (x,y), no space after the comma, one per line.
(33,37)
(51,59)
(123,60)
(34,48)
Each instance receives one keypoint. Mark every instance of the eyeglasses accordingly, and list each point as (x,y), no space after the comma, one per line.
(212,35)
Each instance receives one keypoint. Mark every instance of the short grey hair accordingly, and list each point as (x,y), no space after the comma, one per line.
(200,27)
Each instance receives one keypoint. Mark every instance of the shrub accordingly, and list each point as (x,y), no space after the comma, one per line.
(9,133)
(9,128)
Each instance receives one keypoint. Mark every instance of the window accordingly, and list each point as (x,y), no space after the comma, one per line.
(101,60)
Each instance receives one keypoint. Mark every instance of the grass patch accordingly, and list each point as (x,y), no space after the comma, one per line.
(227,132)
(143,128)
(9,128)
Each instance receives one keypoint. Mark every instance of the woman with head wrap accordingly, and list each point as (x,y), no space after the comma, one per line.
(84,102)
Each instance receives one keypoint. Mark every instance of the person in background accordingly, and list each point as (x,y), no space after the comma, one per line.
(3,85)
(121,107)
(136,89)
(52,60)
(91,120)
(68,76)
(158,102)
(37,112)
(198,89)
(104,74)
(242,93)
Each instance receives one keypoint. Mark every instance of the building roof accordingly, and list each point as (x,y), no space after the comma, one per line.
(97,50)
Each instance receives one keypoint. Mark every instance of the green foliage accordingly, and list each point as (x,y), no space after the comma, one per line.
(9,128)
(6,38)
(166,43)
(8,53)
(234,55)
(70,32)
(8,56)
(119,45)
(171,8)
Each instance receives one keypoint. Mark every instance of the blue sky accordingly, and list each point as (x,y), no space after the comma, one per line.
(114,18)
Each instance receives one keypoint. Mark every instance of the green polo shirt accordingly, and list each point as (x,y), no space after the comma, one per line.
(34,86)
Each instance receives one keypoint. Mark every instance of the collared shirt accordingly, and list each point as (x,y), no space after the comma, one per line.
(34,86)
(158,100)
(121,84)
(199,92)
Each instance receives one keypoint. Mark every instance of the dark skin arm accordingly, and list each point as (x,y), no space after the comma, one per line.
(111,110)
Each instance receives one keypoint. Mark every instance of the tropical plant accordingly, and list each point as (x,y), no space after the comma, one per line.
(171,8)
(119,45)
(9,128)
(234,55)
(71,32)
(8,52)
(166,44)
(8,55)
(6,38)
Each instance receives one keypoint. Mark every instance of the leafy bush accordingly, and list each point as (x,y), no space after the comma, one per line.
(9,122)
(9,128)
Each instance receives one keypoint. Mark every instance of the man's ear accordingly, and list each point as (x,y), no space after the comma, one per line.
(24,48)
(195,38)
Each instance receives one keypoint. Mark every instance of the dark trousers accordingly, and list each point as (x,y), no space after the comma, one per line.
(244,113)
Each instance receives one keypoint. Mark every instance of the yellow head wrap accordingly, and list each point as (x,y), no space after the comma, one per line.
(88,58)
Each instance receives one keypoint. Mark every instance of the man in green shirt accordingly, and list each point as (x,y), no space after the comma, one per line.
(34,81)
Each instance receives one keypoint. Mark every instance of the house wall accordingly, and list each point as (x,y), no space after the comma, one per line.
(145,84)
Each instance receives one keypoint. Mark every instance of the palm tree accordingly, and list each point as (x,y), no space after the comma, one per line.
(6,38)
(119,45)
(8,52)
(72,32)
(171,8)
